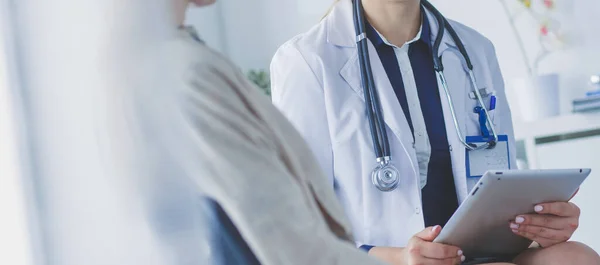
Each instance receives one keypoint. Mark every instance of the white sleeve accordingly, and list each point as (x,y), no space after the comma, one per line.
(298,94)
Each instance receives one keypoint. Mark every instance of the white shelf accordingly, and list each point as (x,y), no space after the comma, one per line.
(560,125)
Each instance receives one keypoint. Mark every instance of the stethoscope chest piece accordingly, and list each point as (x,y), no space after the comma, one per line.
(385,177)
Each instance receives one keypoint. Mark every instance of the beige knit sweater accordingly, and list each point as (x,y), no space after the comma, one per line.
(258,168)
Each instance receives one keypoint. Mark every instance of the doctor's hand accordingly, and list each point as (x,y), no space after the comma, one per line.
(553,223)
(421,250)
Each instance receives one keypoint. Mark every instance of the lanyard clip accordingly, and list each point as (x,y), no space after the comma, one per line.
(482,121)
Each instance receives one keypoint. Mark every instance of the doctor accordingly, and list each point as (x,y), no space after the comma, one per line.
(396,129)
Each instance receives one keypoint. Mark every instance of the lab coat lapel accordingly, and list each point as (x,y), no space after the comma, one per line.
(393,115)
(459,87)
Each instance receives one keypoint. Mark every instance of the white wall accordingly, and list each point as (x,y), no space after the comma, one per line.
(250,32)
(209,23)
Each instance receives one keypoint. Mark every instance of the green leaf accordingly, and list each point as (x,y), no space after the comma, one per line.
(261,79)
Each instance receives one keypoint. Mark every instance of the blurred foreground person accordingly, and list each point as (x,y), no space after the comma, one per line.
(257,168)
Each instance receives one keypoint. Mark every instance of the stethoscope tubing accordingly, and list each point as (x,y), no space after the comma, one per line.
(372,102)
(374,112)
(385,176)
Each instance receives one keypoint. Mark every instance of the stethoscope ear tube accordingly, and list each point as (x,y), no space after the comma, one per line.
(437,60)
(459,43)
(374,111)
(439,68)
(444,24)
(361,43)
(382,133)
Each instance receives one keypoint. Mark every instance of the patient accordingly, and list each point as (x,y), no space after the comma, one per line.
(257,167)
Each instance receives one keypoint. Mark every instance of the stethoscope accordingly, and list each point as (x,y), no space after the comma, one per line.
(385,176)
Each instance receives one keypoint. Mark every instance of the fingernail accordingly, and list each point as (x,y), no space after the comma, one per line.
(514,226)
(538,208)
(515,231)
(519,219)
(459,252)
(463,258)
(435,228)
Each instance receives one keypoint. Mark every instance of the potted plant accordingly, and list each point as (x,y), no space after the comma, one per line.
(538,94)
(261,79)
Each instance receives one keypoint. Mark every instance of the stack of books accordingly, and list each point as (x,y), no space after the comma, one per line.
(591,102)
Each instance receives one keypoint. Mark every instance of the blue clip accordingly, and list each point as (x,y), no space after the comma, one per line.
(492,102)
(482,122)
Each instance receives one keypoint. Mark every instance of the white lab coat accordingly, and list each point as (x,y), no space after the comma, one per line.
(316,84)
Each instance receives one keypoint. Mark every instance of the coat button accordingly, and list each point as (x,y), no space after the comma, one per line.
(418,210)
(450,148)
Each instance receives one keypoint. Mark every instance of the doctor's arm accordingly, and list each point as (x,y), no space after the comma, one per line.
(298,93)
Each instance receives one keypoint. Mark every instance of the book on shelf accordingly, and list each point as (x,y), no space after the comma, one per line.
(588,103)
(588,99)
(587,107)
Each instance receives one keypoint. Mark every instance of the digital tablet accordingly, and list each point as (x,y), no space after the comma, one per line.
(480,225)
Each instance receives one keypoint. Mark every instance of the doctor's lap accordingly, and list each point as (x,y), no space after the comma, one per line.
(401,134)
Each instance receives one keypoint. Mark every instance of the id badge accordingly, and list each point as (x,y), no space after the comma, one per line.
(480,161)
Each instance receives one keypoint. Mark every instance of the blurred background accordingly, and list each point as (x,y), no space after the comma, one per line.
(86,115)
(68,195)
(547,49)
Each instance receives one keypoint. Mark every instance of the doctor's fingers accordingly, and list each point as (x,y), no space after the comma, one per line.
(541,240)
(427,234)
(428,261)
(548,221)
(564,209)
(542,233)
(435,250)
